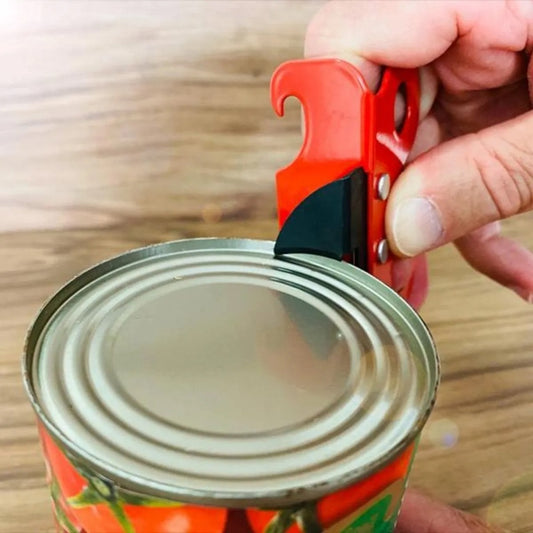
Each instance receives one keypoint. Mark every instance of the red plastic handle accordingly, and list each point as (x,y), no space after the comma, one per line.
(335,102)
(391,148)
(346,126)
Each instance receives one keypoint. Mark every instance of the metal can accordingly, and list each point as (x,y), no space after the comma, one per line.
(207,386)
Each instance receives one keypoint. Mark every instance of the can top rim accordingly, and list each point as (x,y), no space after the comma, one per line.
(319,274)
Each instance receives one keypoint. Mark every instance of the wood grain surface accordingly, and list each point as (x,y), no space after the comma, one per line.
(127,123)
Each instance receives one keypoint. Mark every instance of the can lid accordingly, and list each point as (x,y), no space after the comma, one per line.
(209,371)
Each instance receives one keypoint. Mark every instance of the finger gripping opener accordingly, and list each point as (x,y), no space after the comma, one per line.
(332,197)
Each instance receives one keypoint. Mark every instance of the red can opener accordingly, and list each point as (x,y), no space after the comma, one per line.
(332,197)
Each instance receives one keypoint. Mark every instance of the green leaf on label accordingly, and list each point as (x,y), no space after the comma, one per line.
(103,487)
(88,496)
(144,501)
(281,522)
(304,515)
(388,527)
(121,517)
(64,522)
(61,516)
(91,496)
(373,519)
(307,519)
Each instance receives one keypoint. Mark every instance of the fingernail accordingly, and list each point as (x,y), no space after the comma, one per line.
(525,294)
(416,226)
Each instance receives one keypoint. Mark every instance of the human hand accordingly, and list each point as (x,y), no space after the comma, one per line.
(472,162)
(420,514)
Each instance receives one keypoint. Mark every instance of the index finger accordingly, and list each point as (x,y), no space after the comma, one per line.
(478,43)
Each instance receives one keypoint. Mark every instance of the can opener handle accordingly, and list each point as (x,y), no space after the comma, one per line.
(332,197)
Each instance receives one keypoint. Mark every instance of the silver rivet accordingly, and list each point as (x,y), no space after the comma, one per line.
(383,251)
(383,187)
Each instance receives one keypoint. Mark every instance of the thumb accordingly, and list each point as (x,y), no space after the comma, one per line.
(462,185)
(420,513)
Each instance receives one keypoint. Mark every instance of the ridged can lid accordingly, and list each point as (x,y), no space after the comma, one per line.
(209,371)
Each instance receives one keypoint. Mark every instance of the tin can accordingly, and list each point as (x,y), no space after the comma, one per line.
(207,386)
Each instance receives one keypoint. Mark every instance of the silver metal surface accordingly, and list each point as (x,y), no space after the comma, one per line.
(382,251)
(383,187)
(209,371)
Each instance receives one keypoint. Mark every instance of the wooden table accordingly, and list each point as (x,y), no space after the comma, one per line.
(123,124)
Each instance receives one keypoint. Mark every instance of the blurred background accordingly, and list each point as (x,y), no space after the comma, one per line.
(129,123)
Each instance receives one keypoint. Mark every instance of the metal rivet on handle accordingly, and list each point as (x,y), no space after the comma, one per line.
(383,251)
(383,187)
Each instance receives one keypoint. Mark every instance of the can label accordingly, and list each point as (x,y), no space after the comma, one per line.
(84,502)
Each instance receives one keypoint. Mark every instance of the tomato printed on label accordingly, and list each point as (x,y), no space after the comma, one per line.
(89,504)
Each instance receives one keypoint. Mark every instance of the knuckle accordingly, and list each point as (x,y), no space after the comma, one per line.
(505,169)
(474,524)
(320,32)
(460,522)
(521,172)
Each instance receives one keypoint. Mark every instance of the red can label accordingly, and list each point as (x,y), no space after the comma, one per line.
(84,502)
